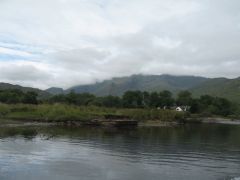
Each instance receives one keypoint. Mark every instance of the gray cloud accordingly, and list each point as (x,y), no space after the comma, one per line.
(87,41)
(24,73)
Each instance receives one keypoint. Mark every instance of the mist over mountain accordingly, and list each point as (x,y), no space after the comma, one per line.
(117,86)
(8,86)
(55,90)
(221,87)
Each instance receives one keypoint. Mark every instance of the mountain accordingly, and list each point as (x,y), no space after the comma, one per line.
(55,90)
(41,93)
(221,87)
(117,86)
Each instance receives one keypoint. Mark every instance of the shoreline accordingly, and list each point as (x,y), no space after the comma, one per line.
(221,121)
(104,123)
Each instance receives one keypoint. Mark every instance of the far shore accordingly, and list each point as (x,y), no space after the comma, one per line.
(221,121)
(147,123)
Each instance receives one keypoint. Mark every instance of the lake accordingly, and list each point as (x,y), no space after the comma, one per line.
(207,151)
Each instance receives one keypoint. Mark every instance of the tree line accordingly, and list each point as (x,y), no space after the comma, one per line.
(130,99)
(14,96)
(163,100)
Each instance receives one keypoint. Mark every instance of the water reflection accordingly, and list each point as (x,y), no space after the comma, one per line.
(182,152)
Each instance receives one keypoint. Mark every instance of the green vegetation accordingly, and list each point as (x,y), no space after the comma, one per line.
(205,105)
(220,87)
(150,83)
(14,96)
(137,105)
(198,86)
(41,94)
(63,112)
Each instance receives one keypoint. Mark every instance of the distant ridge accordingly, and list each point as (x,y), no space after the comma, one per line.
(117,86)
(221,87)
(41,93)
(55,90)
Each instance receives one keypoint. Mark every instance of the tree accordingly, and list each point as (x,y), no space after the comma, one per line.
(30,98)
(222,106)
(84,99)
(166,99)
(11,96)
(184,98)
(111,101)
(154,99)
(195,106)
(133,99)
(213,105)
(206,99)
(146,99)
(60,98)
(71,97)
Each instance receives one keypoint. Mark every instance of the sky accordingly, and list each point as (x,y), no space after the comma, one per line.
(61,43)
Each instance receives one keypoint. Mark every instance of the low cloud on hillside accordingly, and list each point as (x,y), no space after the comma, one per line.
(68,42)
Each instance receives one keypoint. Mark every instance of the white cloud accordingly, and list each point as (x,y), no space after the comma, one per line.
(13,52)
(26,73)
(71,42)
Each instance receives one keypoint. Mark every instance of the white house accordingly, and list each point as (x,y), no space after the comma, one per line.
(182,108)
(179,109)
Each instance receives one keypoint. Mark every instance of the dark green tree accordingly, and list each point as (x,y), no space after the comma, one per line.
(166,99)
(11,96)
(146,99)
(184,98)
(133,99)
(154,99)
(84,99)
(30,98)
(111,101)
(71,98)
(60,98)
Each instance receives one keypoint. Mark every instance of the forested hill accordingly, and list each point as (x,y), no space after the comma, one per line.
(41,93)
(117,86)
(221,87)
(55,90)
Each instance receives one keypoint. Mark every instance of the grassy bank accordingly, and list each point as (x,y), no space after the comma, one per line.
(61,113)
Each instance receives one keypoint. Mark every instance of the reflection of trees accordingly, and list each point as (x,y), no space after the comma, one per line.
(142,142)
(27,133)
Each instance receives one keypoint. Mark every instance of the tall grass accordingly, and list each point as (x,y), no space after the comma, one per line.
(62,112)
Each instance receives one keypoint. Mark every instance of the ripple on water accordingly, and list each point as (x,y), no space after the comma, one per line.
(170,155)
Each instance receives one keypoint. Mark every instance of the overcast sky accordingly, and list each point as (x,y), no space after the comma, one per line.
(61,43)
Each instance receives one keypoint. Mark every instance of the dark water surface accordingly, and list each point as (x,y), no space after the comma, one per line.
(160,153)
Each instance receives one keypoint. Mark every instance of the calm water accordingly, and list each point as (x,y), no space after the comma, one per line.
(184,152)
